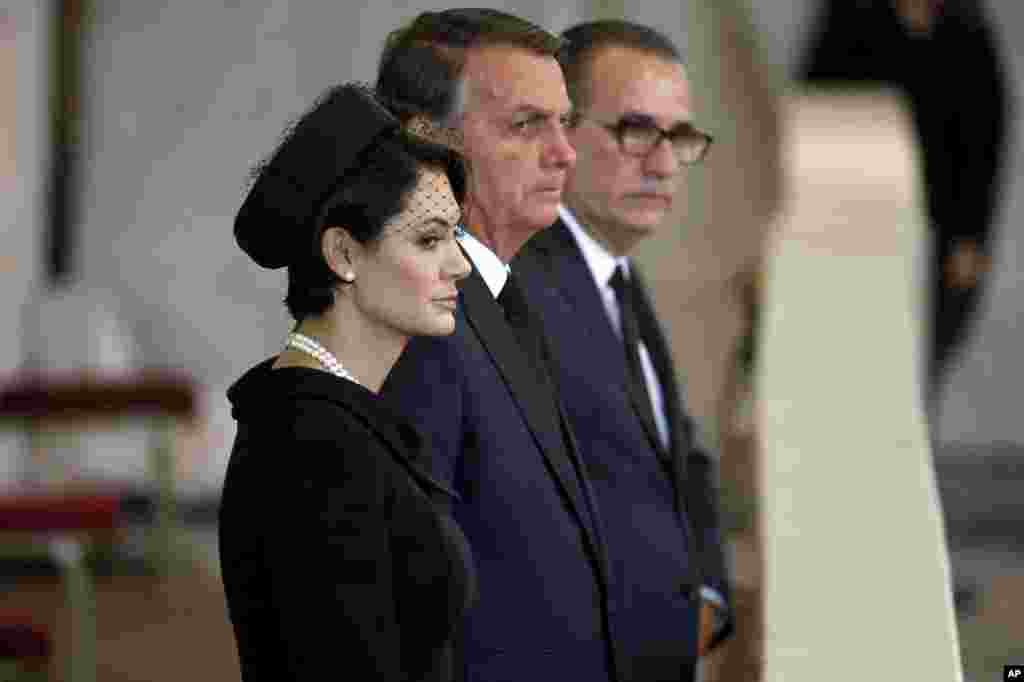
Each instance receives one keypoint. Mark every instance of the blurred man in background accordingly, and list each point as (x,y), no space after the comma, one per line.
(942,55)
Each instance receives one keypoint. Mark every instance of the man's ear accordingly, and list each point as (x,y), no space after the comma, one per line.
(340,252)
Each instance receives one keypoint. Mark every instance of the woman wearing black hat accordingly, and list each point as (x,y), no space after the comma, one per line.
(337,552)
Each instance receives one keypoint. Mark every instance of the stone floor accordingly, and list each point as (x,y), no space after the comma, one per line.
(175,628)
(158,629)
(981,492)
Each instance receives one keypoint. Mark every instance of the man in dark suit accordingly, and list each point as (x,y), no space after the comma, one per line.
(484,398)
(633,137)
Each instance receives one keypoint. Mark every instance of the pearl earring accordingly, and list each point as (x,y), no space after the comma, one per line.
(349,276)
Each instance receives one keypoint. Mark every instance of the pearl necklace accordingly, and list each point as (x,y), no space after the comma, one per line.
(326,358)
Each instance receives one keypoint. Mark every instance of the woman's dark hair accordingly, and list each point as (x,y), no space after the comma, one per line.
(375,189)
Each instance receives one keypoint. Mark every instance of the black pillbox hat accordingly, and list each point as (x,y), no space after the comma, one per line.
(278,215)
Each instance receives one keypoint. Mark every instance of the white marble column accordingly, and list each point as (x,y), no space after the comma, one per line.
(857,583)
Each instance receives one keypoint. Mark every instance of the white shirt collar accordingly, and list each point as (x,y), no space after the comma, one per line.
(601,263)
(486,262)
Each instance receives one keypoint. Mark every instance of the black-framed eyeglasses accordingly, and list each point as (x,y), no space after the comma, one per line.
(639,137)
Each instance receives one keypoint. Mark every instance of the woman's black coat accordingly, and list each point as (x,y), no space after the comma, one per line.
(337,553)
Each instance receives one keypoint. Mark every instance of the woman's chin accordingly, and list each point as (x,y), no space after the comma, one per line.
(448,327)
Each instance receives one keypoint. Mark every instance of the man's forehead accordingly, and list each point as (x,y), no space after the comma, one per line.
(515,78)
(632,80)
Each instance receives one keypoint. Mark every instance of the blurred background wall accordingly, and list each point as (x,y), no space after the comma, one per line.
(180,100)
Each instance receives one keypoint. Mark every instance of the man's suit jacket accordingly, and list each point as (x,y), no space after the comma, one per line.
(499,437)
(657,504)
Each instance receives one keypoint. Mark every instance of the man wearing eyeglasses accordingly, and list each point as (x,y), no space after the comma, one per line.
(634,138)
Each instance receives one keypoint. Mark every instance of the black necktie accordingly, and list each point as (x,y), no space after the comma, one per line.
(631,340)
(519,317)
(513,303)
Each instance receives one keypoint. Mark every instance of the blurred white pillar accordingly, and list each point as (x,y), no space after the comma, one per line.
(857,571)
(723,208)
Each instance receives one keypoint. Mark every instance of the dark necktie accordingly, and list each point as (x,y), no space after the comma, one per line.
(519,317)
(513,303)
(631,340)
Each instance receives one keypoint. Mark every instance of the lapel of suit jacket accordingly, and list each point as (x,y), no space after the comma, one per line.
(680,436)
(571,278)
(577,284)
(540,410)
(565,264)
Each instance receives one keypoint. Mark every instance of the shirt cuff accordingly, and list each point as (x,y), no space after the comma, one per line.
(715,598)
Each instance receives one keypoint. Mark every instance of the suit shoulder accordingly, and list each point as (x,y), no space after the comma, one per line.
(427,380)
(536,263)
(428,359)
(540,247)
